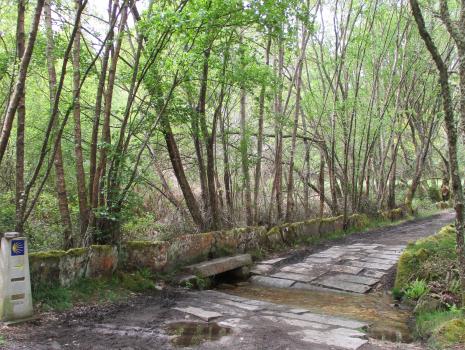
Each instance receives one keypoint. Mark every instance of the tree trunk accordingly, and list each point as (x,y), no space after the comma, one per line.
(209,145)
(20,81)
(98,110)
(321,185)
(298,82)
(79,160)
(279,137)
(261,114)
(226,169)
(20,128)
(245,161)
(391,201)
(60,183)
(451,131)
(178,168)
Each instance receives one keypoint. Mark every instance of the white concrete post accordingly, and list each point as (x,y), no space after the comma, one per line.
(15,282)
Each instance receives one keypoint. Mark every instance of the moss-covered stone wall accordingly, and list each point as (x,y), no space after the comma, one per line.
(65,267)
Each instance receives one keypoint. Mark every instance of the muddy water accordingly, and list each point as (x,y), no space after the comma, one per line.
(388,321)
(193,333)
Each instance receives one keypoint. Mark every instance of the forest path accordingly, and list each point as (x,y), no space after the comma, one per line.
(248,316)
(357,263)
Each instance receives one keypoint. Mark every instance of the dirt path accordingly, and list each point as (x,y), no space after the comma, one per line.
(166,320)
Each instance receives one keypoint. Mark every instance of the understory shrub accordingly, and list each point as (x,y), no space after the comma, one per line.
(430,259)
(416,289)
(427,274)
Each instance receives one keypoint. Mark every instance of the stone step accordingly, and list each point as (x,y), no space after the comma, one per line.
(200,313)
(220,265)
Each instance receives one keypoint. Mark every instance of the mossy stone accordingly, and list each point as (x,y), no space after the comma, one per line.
(51,254)
(143,244)
(450,333)
(76,252)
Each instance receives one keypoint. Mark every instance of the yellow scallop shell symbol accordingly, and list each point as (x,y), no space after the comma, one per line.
(15,248)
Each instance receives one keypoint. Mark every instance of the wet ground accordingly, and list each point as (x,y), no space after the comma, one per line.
(242,317)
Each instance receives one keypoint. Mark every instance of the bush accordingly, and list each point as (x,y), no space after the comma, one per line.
(434,194)
(429,259)
(416,289)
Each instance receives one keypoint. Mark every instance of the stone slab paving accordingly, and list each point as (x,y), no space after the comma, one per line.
(317,331)
(353,268)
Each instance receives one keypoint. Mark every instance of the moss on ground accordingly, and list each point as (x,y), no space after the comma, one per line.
(118,287)
(450,333)
(432,261)
(428,259)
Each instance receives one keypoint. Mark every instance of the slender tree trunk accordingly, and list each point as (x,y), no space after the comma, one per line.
(226,169)
(98,195)
(261,114)
(178,168)
(20,81)
(98,111)
(451,131)
(60,183)
(200,161)
(209,145)
(321,185)
(79,159)
(245,161)
(20,128)
(391,202)
(279,137)
(420,165)
(298,82)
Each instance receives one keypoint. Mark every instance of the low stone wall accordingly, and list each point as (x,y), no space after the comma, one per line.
(394,214)
(65,267)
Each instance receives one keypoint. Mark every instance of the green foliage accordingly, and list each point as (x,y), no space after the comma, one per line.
(442,329)
(7,212)
(137,281)
(397,293)
(416,289)
(450,333)
(429,259)
(54,297)
(434,194)
(202,282)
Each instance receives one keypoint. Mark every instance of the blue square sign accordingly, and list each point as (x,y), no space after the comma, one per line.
(17,247)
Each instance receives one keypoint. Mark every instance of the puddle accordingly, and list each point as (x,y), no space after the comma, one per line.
(388,321)
(193,333)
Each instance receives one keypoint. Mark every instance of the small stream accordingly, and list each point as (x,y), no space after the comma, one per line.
(388,321)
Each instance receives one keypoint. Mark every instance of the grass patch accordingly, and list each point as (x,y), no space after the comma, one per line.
(57,298)
(430,259)
(428,268)
(441,328)
(416,289)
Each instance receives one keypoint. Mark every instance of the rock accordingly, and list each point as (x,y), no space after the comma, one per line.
(220,265)
(357,279)
(261,269)
(200,313)
(271,282)
(335,283)
(274,261)
(296,276)
(241,273)
(354,270)
(325,319)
